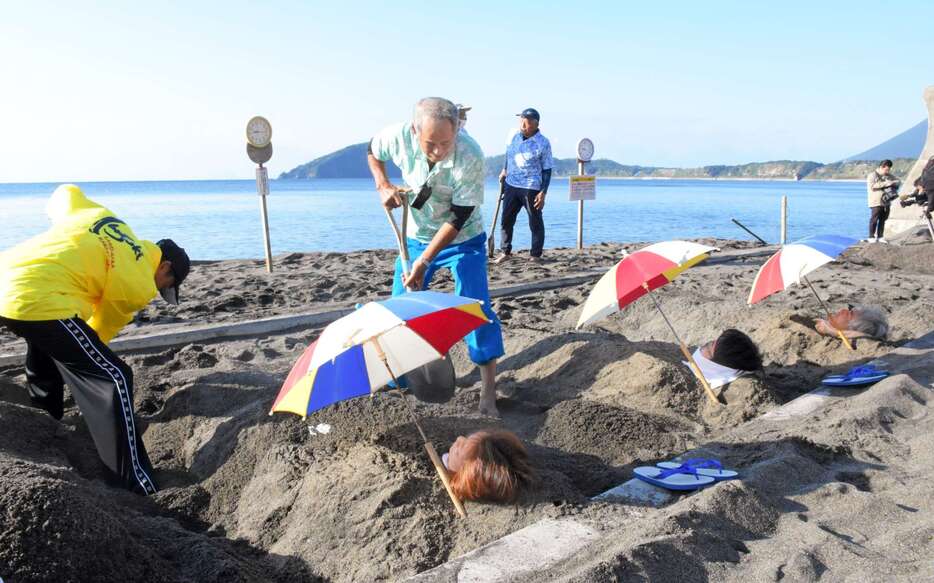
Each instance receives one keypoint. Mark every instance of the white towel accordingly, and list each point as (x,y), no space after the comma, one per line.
(717,375)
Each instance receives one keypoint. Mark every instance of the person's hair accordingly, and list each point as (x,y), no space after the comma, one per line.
(496,468)
(736,350)
(869,320)
(435,108)
(886,164)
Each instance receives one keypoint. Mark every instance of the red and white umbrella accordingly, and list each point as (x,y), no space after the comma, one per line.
(639,273)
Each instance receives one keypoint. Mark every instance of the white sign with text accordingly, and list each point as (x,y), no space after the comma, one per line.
(582,187)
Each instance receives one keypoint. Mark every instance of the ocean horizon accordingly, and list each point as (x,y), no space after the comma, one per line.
(220,219)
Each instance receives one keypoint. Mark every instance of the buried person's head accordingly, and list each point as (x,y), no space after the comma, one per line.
(735,350)
(490,465)
(856,321)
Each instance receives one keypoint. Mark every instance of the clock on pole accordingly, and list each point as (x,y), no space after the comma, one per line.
(259,150)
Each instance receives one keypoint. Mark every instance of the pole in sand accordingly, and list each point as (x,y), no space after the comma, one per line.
(259,150)
(743,227)
(432,453)
(684,349)
(491,236)
(846,341)
(784,235)
(582,189)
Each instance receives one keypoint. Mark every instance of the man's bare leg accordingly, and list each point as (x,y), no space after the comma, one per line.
(488,389)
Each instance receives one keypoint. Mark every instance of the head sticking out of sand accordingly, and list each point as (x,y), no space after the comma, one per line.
(490,465)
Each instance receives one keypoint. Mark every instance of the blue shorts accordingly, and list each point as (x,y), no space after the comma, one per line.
(467,262)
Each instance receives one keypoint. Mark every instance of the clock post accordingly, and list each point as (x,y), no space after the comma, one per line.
(582,189)
(259,150)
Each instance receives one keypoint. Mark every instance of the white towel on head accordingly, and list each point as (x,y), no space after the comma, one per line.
(717,375)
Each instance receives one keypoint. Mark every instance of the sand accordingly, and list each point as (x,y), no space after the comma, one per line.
(249,497)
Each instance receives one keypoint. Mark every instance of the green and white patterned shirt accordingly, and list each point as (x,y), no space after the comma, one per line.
(457,180)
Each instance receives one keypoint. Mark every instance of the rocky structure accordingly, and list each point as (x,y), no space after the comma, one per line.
(900,218)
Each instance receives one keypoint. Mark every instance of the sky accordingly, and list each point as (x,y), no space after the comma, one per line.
(163,90)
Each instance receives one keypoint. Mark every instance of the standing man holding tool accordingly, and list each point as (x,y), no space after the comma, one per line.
(525,177)
(67,292)
(443,169)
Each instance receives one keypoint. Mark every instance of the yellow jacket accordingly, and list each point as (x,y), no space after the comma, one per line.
(88,264)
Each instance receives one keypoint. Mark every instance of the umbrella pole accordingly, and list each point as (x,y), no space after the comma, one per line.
(846,341)
(684,349)
(432,453)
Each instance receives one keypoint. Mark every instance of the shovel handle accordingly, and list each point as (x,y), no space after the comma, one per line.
(401,235)
(443,474)
(491,236)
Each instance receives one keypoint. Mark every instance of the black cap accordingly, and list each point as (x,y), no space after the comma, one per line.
(530,114)
(181,265)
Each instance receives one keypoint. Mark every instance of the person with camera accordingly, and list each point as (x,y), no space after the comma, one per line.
(443,169)
(924,188)
(882,188)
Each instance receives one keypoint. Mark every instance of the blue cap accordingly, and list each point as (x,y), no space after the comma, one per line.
(530,114)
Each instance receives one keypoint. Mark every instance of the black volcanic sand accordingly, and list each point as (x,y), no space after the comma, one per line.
(249,497)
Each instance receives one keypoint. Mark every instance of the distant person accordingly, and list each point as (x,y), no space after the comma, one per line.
(444,171)
(855,322)
(526,176)
(882,189)
(491,466)
(462,116)
(67,292)
(733,349)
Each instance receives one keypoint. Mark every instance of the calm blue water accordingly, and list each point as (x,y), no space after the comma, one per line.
(221,219)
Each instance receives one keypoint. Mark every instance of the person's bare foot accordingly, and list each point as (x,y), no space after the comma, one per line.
(488,408)
(488,389)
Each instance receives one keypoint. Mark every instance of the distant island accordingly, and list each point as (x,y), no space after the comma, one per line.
(350,162)
(903,149)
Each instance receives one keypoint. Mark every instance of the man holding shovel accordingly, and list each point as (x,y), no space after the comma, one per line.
(443,170)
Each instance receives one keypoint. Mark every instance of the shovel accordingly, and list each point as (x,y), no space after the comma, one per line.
(435,381)
(491,236)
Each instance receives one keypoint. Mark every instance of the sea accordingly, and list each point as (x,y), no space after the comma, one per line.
(221,219)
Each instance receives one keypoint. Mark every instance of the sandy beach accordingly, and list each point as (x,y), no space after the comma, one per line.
(841,494)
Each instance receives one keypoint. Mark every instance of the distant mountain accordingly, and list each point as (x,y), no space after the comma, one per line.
(349,162)
(907,144)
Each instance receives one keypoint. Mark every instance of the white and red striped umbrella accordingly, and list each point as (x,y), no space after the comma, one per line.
(652,266)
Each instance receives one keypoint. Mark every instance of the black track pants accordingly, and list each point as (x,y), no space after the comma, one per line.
(69,351)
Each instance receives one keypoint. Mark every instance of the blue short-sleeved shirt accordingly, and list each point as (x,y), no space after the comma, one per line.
(457,180)
(526,159)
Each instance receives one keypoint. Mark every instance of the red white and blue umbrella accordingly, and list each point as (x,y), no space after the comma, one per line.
(374,345)
(793,262)
(367,349)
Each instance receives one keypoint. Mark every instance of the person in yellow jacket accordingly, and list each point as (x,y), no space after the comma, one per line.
(67,292)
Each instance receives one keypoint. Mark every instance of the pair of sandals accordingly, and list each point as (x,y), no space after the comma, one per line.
(691,474)
(858,376)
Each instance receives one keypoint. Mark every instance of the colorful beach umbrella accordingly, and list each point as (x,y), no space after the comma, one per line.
(639,273)
(374,345)
(793,262)
(654,266)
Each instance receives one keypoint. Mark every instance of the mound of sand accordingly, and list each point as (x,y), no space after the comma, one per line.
(257,498)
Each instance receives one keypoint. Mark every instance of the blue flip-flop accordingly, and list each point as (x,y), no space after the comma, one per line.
(857,377)
(704,467)
(674,479)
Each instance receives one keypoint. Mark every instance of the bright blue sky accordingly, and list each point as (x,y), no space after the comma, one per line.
(162,90)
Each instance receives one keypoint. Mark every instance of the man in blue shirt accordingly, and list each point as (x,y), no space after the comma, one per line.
(525,179)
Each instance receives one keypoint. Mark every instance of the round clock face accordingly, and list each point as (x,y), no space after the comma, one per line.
(258,132)
(585,150)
